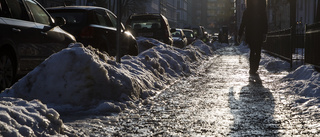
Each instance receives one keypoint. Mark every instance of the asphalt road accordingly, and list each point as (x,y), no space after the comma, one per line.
(221,99)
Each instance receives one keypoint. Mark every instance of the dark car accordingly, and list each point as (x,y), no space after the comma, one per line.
(179,39)
(28,35)
(223,35)
(199,32)
(95,26)
(189,34)
(152,26)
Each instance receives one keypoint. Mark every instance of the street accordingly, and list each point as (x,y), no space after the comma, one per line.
(218,100)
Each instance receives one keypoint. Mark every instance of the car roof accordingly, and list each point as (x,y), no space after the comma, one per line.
(77,8)
(146,14)
(187,30)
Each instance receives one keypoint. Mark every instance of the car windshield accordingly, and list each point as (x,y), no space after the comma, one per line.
(188,34)
(176,34)
(195,31)
(72,18)
(146,24)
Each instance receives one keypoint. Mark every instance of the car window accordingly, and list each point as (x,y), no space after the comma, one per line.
(195,31)
(16,10)
(0,7)
(113,20)
(4,10)
(40,16)
(103,19)
(176,34)
(188,34)
(71,17)
(146,23)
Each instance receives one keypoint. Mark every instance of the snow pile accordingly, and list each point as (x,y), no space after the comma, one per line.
(82,76)
(22,118)
(78,78)
(274,64)
(304,81)
(219,45)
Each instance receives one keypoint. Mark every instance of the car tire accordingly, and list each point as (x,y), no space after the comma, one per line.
(7,69)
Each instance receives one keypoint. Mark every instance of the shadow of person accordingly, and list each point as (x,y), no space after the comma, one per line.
(253,110)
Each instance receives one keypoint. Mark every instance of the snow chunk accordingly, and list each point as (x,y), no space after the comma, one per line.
(23,118)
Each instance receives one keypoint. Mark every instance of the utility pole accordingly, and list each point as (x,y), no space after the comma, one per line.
(318,12)
(118,30)
(293,8)
(293,24)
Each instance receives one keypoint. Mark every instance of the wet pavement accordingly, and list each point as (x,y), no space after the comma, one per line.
(219,100)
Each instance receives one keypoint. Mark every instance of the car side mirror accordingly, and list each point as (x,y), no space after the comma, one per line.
(59,21)
(173,30)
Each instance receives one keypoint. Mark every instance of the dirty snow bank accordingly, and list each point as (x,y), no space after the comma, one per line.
(84,80)
(83,76)
(304,81)
(22,118)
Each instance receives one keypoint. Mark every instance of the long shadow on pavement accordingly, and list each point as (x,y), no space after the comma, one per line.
(253,110)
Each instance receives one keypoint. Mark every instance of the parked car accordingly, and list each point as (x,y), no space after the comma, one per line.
(223,35)
(190,35)
(215,37)
(207,37)
(179,39)
(28,36)
(95,26)
(152,26)
(199,32)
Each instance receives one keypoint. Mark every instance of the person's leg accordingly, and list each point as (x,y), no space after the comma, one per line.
(255,56)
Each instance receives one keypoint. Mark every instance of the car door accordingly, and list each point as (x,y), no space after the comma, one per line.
(105,31)
(52,38)
(20,31)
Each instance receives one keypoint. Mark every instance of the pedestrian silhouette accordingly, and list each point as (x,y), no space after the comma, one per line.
(254,25)
(253,109)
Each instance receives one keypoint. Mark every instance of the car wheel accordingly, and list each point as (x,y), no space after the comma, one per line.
(7,70)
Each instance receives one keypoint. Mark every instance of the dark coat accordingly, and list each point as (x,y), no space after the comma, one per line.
(254,24)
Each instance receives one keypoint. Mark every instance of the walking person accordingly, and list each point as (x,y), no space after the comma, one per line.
(254,25)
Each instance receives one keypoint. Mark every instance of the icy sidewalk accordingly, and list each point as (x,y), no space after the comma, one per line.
(217,101)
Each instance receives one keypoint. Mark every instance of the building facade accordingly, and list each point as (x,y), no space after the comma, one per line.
(182,13)
(198,12)
(169,9)
(307,12)
(221,13)
(279,14)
